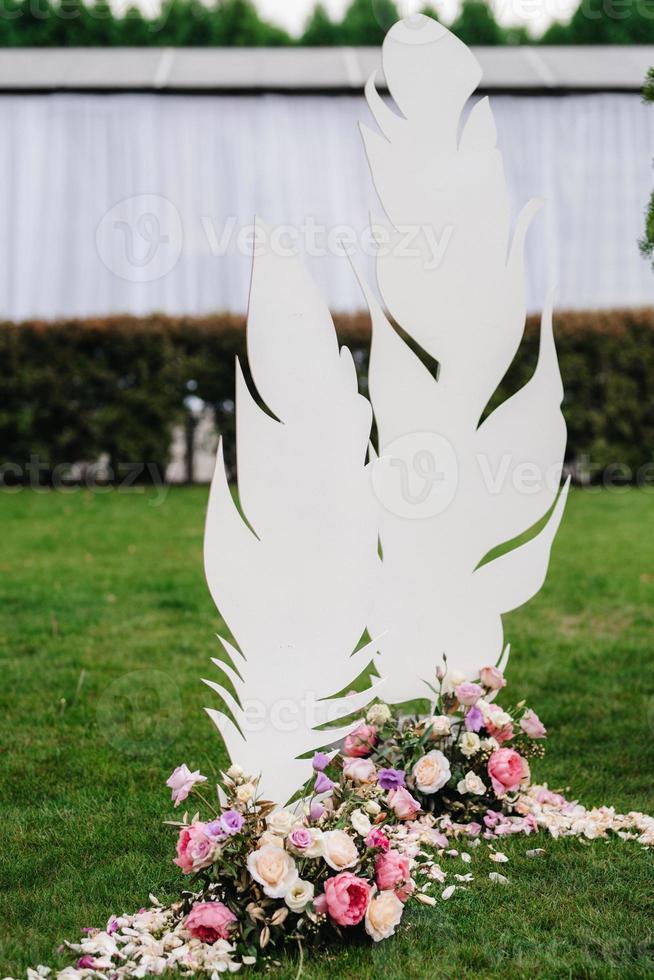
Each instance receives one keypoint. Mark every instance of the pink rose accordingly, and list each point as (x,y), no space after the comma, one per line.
(492,678)
(361,741)
(532,726)
(392,873)
(194,849)
(498,723)
(468,693)
(360,770)
(300,838)
(346,898)
(209,921)
(182,781)
(403,805)
(506,769)
(377,839)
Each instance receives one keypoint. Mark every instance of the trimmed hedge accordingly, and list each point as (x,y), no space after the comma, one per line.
(73,390)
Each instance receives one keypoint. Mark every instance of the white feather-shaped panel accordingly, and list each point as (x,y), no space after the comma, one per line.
(449,487)
(294,584)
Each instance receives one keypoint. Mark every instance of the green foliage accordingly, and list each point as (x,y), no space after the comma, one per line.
(606,22)
(236,23)
(320,30)
(366,22)
(647,242)
(106,627)
(476,24)
(72,391)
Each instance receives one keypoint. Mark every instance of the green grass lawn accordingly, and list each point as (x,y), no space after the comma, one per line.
(106,628)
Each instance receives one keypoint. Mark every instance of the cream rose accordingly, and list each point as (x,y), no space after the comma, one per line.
(431,772)
(383,915)
(490,744)
(274,869)
(360,770)
(361,823)
(441,726)
(471,783)
(299,895)
(469,743)
(372,808)
(270,839)
(378,715)
(245,792)
(339,850)
(281,822)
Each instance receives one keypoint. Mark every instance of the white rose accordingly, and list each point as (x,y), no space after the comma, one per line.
(245,793)
(469,744)
(274,869)
(383,915)
(378,715)
(471,783)
(431,772)
(441,726)
(339,850)
(372,808)
(235,773)
(490,744)
(299,895)
(360,822)
(281,822)
(451,680)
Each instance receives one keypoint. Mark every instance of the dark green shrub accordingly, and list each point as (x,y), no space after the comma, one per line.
(71,391)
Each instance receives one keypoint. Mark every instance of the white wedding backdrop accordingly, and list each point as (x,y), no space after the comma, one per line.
(209,162)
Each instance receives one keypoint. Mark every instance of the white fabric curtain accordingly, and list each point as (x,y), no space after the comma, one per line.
(138,203)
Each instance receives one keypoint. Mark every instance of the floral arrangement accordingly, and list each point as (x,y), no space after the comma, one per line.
(394,817)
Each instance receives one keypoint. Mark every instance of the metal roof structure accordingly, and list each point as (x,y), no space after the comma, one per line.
(510,69)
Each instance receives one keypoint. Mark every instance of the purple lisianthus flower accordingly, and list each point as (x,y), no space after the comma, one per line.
(215,830)
(316,810)
(320,761)
(231,821)
(391,778)
(474,719)
(323,783)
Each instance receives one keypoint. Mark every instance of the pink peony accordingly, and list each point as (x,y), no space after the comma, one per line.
(468,693)
(532,726)
(377,839)
(209,921)
(194,849)
(182,781)
(361,741)
(403,805)
(392,873)
(346,898)
(506,769)
(360,770)
(492,678)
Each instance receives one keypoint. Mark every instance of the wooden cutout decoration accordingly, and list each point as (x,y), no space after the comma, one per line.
(450,484)
(295,586)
